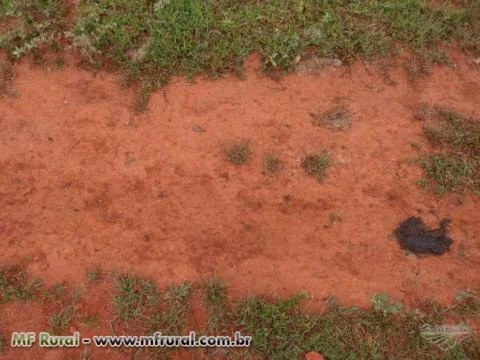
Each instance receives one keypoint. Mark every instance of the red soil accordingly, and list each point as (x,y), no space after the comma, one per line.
(85,181)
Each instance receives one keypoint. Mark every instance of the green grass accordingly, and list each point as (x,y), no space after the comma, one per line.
(215,293)
(38,25)
(451,173)
(316,165)
(215,300)
(238,154)
(280,328)
(94,275)
(455,164)
(15,285)
(150,41)
(60,320)
(134,297)
(56,292)
(173,320)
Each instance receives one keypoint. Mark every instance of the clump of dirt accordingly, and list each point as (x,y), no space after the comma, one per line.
(337,118)
(313,64)
(413,235)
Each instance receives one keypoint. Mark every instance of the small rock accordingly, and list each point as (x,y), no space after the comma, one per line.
(315,65)
(312,355)
(337,62)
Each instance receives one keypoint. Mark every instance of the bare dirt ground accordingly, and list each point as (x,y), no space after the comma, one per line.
(84,181)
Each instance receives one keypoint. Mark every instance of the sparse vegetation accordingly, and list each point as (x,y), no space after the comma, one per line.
(215,293)
(94,275)
(174,319)
(316,165)
(337,118)
(215,301)
(59,321)
(456,164)
(238,154)
(282,329)
(272,163)
(134,297)
(16,285)
(56,292)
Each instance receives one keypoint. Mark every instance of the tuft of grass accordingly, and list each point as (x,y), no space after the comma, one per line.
(56,292)
(59,63)
(16,285)
(272,326)
(174,319)
(467,304)
(316,165)
(216,302)
(59,321)
(455,166)
(451,173)
(94,275)
(134,297)
(215,293)
(272,163)
(238,154)
(382,303)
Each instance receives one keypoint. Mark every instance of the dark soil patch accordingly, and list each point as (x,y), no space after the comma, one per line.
(413,235)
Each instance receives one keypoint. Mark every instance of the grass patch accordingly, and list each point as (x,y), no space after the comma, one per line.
(455,166)
(316,165)
(173,320)
(451,173)
(56,292)
(134,297)
(466,304)
(216,303)
(33,26)
(283,329)
(238,154)
(215,293)
(151,41)
(272,163)
(94,275)
(15,285)
(60,320)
